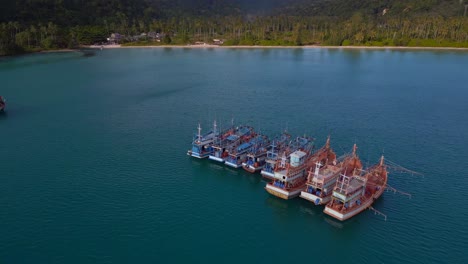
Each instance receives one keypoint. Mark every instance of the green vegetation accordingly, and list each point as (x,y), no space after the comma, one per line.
(31,25)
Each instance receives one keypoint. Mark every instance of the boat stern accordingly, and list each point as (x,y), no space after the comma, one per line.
(218,159)
(334,213)
(281,193)
(233,164)
(267,175)
(317,200)
(250,168)
(344,215)
(197,155)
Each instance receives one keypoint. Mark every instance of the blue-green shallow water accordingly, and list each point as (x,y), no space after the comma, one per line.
(94,168)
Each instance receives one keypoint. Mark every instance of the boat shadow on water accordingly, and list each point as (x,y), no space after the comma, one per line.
(333,223)
(277,203)
(3,115)
(226,173)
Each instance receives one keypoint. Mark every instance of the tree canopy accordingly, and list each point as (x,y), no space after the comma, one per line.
(28,25)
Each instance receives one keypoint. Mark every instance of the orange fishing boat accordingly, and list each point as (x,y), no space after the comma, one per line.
(356,192)
(322,178)
(290,174)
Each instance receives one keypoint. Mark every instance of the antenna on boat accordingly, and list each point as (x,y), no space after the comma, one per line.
(317,168)
(215,126)
(199,131)
(283,160)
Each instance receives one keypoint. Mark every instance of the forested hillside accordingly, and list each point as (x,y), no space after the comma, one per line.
(29,25)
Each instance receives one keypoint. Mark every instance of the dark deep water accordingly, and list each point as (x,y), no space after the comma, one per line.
(93,164)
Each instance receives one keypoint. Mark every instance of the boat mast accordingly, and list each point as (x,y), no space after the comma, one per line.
(283,160)
(317,168)
(327,144)
(199,132)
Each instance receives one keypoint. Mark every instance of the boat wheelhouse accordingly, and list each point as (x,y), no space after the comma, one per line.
(322,179)
(202,144)
(286,147)
(237,157)
(229,141)
(290,173)
(355,193)
(278,146)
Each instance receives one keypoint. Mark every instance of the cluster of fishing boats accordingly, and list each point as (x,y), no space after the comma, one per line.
(294,168)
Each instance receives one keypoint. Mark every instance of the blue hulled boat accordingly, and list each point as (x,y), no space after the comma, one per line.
(229,141)
(238,157)
(256,157)
(202,145)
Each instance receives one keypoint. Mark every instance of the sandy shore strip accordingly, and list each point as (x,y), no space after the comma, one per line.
(274,47)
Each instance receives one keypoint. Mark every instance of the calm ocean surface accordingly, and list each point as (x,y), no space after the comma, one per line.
(93,164)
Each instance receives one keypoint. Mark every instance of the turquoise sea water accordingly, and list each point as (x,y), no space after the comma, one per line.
(93,165)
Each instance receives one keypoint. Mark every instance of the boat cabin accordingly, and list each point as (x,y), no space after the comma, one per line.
(297,158)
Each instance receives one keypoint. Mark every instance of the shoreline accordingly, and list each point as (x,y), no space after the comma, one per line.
(276,47)
(93,47)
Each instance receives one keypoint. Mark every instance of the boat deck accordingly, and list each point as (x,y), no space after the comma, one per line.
(326,174)
(349,187)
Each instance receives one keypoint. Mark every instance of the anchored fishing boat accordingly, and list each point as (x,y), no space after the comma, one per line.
(322,179)
(229,141)
(290,172)
(257,155)
(2,104)
(355,193)
(238,157)
(278,146)
(202,144)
